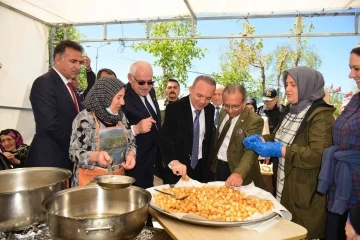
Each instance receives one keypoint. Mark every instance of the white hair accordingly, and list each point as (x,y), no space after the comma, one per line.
(139,64)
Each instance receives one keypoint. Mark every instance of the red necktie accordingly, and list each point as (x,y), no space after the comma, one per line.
(73,96)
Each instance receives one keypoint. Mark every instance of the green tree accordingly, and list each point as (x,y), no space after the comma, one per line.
(233,72)
(72,34)
(173,56)
(244,55)
(297,52)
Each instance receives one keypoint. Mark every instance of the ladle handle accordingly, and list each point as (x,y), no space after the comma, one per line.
(90,229)
(110,169)
(165,193)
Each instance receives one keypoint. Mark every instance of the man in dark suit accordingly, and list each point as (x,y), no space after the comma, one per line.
(143,114)
(186,133)
(55,106)
(233,163)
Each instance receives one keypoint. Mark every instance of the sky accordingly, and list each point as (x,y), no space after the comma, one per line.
(334,51)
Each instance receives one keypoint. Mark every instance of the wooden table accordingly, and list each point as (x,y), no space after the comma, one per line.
(183,231)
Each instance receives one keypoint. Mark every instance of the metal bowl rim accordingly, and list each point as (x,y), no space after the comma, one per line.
(69,173)
(101,177)
(48,199)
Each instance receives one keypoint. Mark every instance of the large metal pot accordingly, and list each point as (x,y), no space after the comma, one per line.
(23,190)
(91,212)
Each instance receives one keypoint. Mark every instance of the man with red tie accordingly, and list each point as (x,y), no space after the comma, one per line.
(55,106)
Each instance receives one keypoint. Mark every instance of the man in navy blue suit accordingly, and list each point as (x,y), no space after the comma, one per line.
(55,106)
(143,114)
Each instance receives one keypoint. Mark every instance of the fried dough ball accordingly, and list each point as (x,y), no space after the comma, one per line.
(217,203)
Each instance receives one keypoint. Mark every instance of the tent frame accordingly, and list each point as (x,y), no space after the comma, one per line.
(194,19)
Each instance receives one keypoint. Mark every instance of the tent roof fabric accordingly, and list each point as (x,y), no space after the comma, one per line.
(93,11)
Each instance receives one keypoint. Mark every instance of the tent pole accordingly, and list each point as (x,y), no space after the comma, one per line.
(52,34)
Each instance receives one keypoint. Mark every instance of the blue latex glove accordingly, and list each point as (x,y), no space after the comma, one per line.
(268,149)
(249,141)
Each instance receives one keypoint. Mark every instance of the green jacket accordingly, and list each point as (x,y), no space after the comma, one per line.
(241,160)
(302,166)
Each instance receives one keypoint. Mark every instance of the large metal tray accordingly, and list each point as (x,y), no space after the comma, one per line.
(214,223)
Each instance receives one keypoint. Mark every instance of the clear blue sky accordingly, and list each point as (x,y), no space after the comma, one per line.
(334,51)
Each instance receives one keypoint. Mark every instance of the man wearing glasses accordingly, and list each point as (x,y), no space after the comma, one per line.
(233,163)
(186,133)
(143,114)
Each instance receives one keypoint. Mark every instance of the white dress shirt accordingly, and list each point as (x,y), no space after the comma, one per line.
(202,127)
(65,82)
(148,97)
(222,154)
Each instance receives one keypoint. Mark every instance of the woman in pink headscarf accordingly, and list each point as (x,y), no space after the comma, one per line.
(13,147)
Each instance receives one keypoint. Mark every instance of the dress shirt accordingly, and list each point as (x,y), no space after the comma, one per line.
(65,82)
(148,97)
(202,127)
(222,154)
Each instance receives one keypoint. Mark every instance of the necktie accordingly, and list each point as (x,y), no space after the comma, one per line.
(195,146)
(222,135)
(73,96)
(217,112)
(150,109)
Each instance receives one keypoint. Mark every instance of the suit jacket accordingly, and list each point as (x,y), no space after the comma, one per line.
(241,160)
(54,112)
(146,143)
(176,138)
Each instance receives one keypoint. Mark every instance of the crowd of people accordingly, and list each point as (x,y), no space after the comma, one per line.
(216,133)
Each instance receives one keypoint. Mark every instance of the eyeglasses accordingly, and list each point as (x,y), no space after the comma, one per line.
(142,82)
(234,107)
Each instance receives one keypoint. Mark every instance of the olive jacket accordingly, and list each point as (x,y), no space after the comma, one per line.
(241,160)
(302,166)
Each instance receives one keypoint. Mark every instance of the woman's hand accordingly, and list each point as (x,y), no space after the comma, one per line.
(129,161)
(11,158)
(102,158)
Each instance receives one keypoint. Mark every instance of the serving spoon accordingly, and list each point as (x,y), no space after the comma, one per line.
(172,195)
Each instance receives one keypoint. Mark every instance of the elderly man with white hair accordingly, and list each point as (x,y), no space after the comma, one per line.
(217,101)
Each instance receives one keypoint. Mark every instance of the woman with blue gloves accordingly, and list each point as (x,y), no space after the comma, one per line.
(304,131)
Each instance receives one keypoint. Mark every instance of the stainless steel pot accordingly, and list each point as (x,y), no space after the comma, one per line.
(22,191)
(91,212)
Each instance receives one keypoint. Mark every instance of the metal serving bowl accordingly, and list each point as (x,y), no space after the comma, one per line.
(91,212)
(22,192)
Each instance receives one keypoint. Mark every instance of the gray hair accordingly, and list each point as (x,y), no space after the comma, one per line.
(134,67)
(234,88)
(209,80)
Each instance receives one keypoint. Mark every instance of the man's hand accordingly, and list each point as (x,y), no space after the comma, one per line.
(129,162)
(178,168)
(234,180)
(87,62)
(144,125)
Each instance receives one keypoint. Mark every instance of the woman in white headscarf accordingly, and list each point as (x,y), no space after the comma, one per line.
(298,141)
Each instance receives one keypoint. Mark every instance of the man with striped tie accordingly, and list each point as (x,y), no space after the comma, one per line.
(185,138)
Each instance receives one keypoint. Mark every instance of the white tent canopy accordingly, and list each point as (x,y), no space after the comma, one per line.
(92,11)
(24,28)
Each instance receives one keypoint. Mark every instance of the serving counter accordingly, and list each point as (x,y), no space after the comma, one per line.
(180,230)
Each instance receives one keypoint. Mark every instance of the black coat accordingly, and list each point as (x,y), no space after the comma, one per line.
(54,112)
(146,143)
(176,138)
